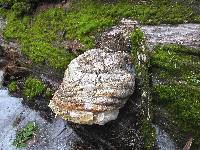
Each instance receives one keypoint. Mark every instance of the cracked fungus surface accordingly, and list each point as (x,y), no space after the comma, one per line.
(99,82)
(96,85)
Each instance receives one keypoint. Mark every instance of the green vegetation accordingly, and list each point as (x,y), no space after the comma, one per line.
(176,63)
(149,134)
(49,93)
(3,12)
(140,57)
(197,19)
(37,41)
(41,35)
(20,8)
(176,73)
(12,87)
(23,7)
(25,134)
(175,68)
(32,88)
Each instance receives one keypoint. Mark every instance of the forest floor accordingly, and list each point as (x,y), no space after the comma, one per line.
(34,43)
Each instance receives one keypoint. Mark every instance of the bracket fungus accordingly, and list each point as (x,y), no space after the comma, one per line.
(98,82)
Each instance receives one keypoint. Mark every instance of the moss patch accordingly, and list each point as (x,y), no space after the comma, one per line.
(176,77)
(3,12)
(40,35)
(12,87)
(32,88)
(25,134)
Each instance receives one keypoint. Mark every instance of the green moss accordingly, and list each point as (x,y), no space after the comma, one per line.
(140,57)
(25,134)
(20,8)
(176,63)
(137,39)
(183,102)
(12,87)
(48,93)
(177,86)
(197,19)
(178,49)
(3,12)
(37,41)
(149,134)
(40,35)
(32,88)
(139,53)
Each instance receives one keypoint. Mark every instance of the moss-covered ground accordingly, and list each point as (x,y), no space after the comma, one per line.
(32,88)
(12,87)
(175,68)
(176,87)
(41,35)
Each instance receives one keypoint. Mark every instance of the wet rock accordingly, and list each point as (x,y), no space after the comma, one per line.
(58,134)
(14,116)
(164,141)
(99,82)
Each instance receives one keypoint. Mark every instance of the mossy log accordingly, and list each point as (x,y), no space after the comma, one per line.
(141,57)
